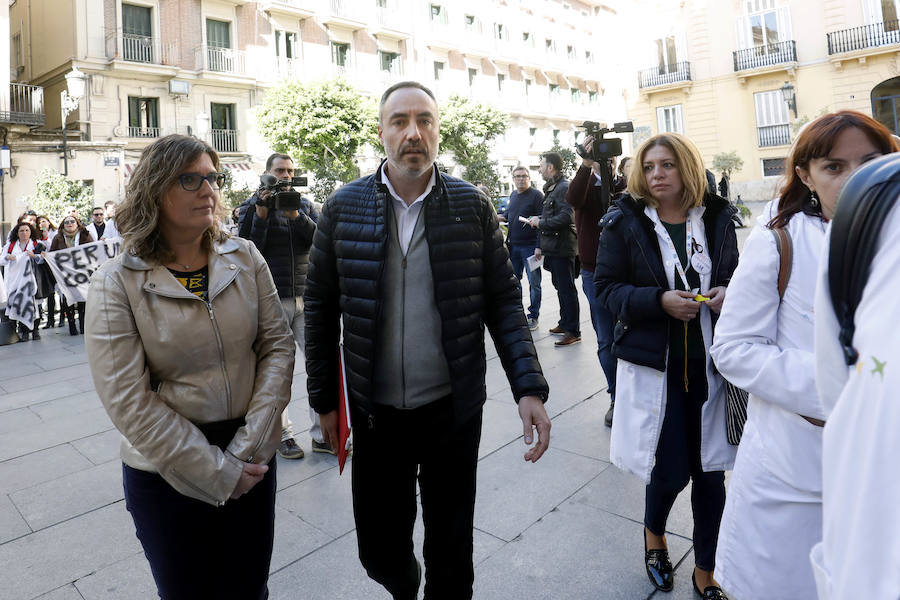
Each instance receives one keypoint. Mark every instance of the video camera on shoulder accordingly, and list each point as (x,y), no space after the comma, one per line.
(603,148)
(283,196)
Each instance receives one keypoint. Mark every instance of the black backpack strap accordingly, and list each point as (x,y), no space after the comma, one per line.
(862,206)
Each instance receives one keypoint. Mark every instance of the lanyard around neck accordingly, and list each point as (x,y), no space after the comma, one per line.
(689,239)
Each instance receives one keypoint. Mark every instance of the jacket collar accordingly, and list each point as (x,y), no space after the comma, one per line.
(551,185)
(382,191)
(222,271)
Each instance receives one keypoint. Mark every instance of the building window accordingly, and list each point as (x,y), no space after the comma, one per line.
(16,44)
(390,62)
(381,3)
(472,74)
(554,90)
(137,34)
(438,14)
(667,57)
(669,119)
(763,26)
(773,167)
(218,33)
(593,97)
(472,24)
(223,127)
(528,39)
(772,119)
(143,117)
(501,32)
(549,45)
(556,136)
(438,70)
(570,52)
(576,95)
(532,132)
(589,57)
(340,54)
(527,87)
(286,44)
(501,81)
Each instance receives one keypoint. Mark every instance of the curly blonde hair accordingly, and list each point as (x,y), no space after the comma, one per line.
(690,168)
(137,217)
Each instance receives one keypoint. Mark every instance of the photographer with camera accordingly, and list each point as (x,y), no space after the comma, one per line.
(586,196)
(281,223)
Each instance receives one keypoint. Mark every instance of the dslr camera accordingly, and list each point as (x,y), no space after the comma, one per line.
(603,148)
(283,197)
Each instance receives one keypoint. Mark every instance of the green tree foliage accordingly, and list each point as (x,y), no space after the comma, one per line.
(569,159)
(467,131)
(54,193)
(233,196)
(727,163)
(322,125)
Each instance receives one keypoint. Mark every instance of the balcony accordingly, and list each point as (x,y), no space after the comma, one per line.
(143,132)
(774,135)
(670,76)
(140,49)
(763,58)
(221,60)
(867,37)
(391,23)
(289,68)
(26,105)
(224,140)
(299,9)
(342,14)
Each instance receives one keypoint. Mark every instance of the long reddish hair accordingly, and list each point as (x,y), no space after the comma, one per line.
(816,141)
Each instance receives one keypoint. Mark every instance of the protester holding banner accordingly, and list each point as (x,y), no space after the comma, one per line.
(46,232)
(193,359)
(73,233)
(19,258)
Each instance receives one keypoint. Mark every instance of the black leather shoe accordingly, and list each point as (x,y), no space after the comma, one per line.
(659,568)
(710,593)
(607,420)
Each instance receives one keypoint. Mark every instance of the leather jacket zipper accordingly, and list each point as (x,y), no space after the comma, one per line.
(215,326)
(196,489)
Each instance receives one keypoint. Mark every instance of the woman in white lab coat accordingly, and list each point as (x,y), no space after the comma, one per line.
(664,242)
(764,344)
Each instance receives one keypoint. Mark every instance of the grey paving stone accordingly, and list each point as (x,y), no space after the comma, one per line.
(581,429)
(38,467)
(12,525)
(48,559)
(19,367)
(64,357)
(55,501)
(294,471)
(17,420)
(575,552)
(332,572)
(66,592)
(100,447)
(324,501)
(513,494)
(623,494)
(294,539)
(501,425)
(64,407)
(15,384)
(53,433)
(128,579)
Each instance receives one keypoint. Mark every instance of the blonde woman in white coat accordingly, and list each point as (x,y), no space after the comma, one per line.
(763,344)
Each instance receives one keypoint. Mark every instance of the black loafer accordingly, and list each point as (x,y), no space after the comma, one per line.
(711,592)
(659,568)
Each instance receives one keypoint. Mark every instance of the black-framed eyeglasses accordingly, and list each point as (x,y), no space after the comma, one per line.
(191,182)
(69,222)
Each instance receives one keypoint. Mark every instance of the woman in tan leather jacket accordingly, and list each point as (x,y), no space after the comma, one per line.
(192,359)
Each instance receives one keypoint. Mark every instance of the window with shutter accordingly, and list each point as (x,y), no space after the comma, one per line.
(669,119)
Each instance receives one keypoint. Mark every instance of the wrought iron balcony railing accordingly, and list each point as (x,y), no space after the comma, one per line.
(143,132)
(26,105)
(664,75)
(764,56)
(224,140)
(867,36)
(221,60)
(774,135)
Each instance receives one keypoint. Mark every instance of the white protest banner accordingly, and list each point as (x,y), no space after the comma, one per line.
(21,286)
(73,267)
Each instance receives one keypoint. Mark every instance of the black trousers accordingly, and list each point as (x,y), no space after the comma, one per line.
(387,458)
(197,550)
(678,462)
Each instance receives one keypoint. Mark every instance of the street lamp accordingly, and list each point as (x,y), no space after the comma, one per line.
(68,102)
(787,91)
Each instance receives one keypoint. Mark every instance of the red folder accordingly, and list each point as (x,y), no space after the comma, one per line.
(344,426)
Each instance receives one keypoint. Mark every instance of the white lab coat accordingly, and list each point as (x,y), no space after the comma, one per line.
(773,513)
(109,232)
(859,556)
(641,391)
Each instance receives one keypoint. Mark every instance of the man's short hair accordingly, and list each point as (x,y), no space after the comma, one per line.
(398,86)
(553,158)
(272,158)
(522,168)
(109,203)
(97,208)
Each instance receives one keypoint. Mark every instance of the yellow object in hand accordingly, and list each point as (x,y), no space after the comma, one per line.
(701,298)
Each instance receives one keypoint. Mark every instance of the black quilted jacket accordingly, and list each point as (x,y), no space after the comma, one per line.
(473,282)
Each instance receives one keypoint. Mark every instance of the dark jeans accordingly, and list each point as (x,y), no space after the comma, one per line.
(386,460)
(678,462)
(562,273)
(197,550)
(603,322)
(518,255)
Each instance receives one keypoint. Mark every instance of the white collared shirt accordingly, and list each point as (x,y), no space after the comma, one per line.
(407,216)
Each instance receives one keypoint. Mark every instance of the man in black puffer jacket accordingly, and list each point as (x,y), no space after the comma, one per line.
(284,239)
(412,264)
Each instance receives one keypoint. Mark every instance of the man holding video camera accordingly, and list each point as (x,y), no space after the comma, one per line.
(281,223)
